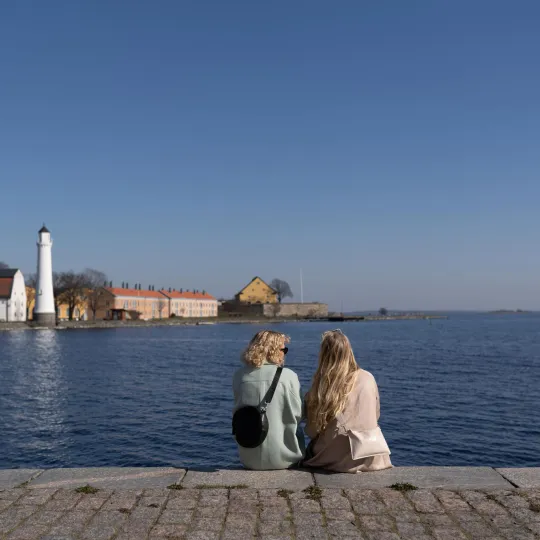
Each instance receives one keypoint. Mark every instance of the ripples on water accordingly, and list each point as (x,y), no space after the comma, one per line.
(463,391)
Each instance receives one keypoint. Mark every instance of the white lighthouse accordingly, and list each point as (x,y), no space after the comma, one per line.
(44,312)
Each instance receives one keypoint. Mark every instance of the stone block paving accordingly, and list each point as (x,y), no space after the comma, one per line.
(238,513)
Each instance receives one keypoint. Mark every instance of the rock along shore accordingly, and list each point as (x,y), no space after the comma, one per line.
(80,325)
(420,503)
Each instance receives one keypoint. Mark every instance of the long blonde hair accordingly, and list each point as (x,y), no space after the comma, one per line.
(333,380)
(265,346)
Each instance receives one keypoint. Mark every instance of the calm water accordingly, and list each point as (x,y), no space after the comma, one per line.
(463,391)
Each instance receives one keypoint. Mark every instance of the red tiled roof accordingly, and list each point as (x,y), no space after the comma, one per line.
(5,287)
(118,291)
(187,294)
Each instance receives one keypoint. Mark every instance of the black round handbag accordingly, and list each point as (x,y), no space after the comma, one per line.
(250,423)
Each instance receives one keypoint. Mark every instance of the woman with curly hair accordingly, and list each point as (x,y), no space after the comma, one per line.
(343,412)
(283,446)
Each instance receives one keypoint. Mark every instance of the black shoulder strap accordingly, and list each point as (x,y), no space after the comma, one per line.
(270,394)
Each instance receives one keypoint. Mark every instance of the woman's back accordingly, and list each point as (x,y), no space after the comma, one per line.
(284,444)
(343,412)
(337,446)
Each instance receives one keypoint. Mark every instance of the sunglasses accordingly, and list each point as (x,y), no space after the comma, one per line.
(285,350)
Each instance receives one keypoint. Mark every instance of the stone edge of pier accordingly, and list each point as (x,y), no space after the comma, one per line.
(119,478)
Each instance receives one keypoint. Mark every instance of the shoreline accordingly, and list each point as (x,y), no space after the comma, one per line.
(87,325)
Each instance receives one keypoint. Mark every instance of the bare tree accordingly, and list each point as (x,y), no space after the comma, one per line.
(94,281)
(162,304)
(383,312)
(71,290)
(57,278)
(31,280)
(3,265)
(282,288)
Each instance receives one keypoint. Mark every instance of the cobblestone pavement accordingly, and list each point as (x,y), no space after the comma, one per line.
(241,514)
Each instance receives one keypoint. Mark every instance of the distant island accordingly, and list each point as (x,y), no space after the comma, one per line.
(508,311)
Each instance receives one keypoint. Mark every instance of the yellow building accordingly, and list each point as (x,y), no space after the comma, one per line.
(81,311)
(30,302)
(257,292)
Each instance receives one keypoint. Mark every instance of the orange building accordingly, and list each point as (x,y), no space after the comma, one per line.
(118,303)
(122,303)
(191,304)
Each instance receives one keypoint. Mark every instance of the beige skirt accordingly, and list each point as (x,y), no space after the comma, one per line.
(337,457)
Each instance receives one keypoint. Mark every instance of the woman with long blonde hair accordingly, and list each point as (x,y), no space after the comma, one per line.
(343,410)
(263,387)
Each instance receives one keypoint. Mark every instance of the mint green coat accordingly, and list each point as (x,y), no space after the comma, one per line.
(284,445)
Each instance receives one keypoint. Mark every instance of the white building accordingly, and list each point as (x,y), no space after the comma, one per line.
(44,311)
(12,296)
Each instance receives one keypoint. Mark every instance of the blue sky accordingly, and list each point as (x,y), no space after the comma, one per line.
(388,148)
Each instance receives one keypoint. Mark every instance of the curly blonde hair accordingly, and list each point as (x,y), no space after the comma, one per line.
(333,380)
(265,346)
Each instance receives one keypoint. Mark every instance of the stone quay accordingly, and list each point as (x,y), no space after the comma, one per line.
(416,503)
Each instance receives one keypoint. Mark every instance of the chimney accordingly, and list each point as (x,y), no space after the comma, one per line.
(123,285)
(127,285)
